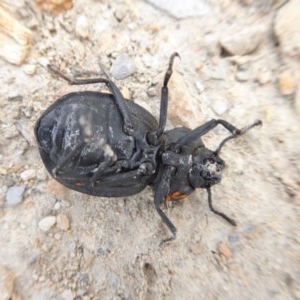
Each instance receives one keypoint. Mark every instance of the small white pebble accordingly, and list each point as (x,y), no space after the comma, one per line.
(29,69)
(200,86)
(28,174)
(44,62)
(46,223)
(82,27)
(57,206)
(220,106)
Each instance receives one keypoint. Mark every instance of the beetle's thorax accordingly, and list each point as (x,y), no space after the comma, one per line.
(180,163)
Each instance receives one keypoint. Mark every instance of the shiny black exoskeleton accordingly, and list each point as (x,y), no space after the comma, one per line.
(104,145)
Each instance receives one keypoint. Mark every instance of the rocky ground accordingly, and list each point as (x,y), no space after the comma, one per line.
(240,62)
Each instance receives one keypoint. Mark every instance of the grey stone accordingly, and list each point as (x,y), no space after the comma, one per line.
(15,194)
(122,67)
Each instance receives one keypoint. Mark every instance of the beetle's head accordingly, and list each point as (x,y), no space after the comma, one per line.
(206,169)
(207,166)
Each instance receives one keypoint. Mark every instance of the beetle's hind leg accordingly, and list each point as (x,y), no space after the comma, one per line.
(100,170)
(64,160)
(118,97)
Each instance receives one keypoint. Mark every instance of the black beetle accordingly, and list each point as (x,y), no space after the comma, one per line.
(104,145)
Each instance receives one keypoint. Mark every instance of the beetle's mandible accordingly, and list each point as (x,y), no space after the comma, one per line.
(104,145)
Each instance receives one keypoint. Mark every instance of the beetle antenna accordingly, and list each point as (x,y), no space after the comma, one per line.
(237,133)
(225,217)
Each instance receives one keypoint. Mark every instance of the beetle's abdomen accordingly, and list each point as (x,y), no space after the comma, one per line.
(89,131)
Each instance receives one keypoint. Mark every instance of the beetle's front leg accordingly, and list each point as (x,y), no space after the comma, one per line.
(161,191)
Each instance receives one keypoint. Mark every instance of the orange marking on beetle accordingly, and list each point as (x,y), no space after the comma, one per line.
(79,183)
(175,196)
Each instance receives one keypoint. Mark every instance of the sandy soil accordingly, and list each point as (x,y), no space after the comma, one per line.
(236,64)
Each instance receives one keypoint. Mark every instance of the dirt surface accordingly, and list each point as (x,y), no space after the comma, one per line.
(239,62)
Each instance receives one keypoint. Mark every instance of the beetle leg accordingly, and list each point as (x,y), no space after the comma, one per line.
(154,136)
(131,163)
(118,97)
(123,179)
(229,220)
(164,97)
(206,127)
(67,158)
(162,190)
(100,169)
(144,168)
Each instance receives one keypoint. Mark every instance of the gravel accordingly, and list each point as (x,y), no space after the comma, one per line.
(15,194)
(47,223)
(122,67)
(60,244)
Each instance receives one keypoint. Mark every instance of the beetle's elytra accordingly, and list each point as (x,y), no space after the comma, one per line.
(104,145)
